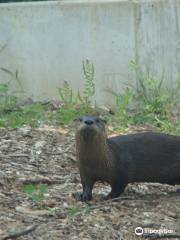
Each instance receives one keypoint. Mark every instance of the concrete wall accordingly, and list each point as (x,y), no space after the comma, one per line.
(47,41)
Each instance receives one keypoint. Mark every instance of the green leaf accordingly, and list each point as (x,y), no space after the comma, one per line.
(35,197)
(29,189)
(75,210)
(4,88)
(43,188)
(7,71)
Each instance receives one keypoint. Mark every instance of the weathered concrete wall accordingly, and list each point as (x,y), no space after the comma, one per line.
(47,41)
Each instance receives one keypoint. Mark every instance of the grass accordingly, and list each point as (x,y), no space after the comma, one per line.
(149,103)
(37,114)
(27,115)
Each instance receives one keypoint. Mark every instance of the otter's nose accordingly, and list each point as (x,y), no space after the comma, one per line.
(89,122)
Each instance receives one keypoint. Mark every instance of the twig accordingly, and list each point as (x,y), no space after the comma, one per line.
(20,233)
(24,181)
(19,155)
(118,198)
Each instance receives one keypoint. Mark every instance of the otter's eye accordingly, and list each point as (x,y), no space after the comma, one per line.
(80,119)
(97,120)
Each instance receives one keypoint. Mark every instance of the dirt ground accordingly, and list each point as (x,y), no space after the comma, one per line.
(47,155)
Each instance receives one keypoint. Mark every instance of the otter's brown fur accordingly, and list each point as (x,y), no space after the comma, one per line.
(141,157)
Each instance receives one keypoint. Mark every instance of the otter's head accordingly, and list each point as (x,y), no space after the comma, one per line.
(89,127)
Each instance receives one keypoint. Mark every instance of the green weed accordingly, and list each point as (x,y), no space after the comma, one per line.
(150,102)
(123,102)
(66,95)
(8,98)
(89,86)
(30,114)
(76,211)
(36,193)
(75,105)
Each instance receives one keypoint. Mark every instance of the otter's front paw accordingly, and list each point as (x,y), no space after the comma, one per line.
(82,197)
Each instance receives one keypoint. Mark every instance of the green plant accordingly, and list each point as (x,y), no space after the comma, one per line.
(89,86)
(66,95)
(36,192)
(8,98)
(78,104)
(151,95)
(173,93)
(29,114)
(168,126)
(7,101)
(4,98)
(149,102)
(15,76)
(88,70)
(66,115)
(123,102)
(76,211)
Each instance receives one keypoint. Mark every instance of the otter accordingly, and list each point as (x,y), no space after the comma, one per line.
(139,157)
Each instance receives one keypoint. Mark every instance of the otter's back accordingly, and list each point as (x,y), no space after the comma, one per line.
(151,157)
